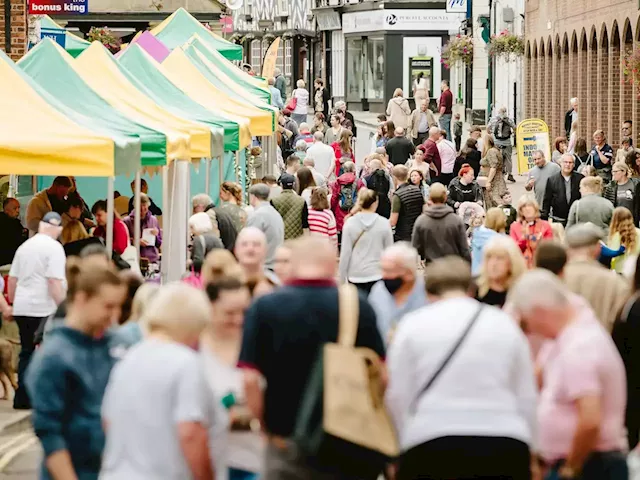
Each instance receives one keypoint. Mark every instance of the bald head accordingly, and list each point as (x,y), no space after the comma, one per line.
(318,137)
(251,247)
(11,207)
(399,132)
(313,258)
(309,162)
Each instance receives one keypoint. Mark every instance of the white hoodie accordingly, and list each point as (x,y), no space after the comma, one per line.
(302,104)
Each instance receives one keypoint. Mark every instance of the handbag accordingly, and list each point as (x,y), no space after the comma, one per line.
(195,278)
(482,181)
(343,423)
(292,104)
(447,359)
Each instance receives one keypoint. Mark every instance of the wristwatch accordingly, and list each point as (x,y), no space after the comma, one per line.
(567,472)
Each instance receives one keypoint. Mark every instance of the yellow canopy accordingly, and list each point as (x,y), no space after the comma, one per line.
(185,139)
(189,79)
(36,139)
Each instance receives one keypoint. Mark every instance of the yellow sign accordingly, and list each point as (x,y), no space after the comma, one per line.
(269,63)
(532,135)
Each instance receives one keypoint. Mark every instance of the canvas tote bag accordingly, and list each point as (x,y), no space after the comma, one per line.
(343,423)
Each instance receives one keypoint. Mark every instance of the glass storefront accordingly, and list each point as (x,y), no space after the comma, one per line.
(365,68)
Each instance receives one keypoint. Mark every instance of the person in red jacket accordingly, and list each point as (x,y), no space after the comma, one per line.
(529,230)
(120,231)
(342,149)
(344,192)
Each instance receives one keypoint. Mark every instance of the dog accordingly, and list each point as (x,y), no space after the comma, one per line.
(7,367)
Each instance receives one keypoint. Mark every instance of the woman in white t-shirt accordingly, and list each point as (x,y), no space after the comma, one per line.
(301,95)
(237,451)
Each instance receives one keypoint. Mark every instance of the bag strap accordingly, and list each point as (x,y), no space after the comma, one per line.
(352,248)
(448,358)
(349,312)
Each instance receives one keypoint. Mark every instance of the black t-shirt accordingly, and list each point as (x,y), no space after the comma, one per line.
(497,299)
(58,205)
(283,334)
(400,150)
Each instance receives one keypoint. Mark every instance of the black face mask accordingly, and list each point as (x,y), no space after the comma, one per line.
(393,284)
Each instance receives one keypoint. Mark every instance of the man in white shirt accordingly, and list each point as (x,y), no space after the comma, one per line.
(319,178)
(37,285)
(323,156)
(448,154)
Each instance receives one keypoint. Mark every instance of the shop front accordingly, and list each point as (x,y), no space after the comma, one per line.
(387,49)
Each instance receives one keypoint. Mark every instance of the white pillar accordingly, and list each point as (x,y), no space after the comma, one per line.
(13,186)
(136,206)
(166,224)
(174,258)
(110,214)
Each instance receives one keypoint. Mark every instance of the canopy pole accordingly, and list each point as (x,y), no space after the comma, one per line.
(207,176)
(237,165)
(166,220)
(110,214)
(221,170)
(273,154)
(13,186)
(136,202)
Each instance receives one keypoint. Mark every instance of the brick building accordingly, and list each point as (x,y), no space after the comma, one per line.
(574,49)
(17,23)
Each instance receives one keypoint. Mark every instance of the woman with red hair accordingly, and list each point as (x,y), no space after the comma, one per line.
(464,188)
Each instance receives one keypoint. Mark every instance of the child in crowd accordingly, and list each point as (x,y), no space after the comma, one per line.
(476,221)
(457,131)
(509,211)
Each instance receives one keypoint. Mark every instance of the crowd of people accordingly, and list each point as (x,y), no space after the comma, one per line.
(507,330)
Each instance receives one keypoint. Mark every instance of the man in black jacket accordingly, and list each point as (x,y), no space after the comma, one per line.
(562,190)
(13,233)
(571,116)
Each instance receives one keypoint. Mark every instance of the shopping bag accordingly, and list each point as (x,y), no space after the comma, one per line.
(292,104)
(343,423)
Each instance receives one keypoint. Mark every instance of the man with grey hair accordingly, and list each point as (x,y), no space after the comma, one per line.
(276,96)
(280,83)
(342,107)
(323,155)
(266,219)
(581,410)
(571,116)
(400,148)
(604,289)
(539,175)
(502,128)
(304,133)
(301,149)
(401,289)
(310,163)
(563,189)
(221,222)
(421,120)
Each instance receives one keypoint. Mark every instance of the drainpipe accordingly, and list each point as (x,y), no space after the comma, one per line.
(7,26)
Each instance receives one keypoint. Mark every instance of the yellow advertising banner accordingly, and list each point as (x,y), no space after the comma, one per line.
(532,135)
(269,63)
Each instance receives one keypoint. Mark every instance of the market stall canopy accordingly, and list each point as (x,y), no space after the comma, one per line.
(189,78)
(36,139)
(185,139)
(228,66)
(151,45)
(73,44)
(52,69)
(229,73)
(178,28)
(161,89)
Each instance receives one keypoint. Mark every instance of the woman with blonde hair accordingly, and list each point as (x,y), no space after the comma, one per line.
(74,238)
(220,263)
(529,229)
(592,207)
(398,110)
(502,265)
(624,191)
(299,96)
(231,196)
(490,177)
(495,222)
(623,233)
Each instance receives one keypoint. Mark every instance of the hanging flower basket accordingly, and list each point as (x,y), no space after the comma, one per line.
(631,67)
(458,50)
(269,37)
(105,37)
(235,38)
(506,45)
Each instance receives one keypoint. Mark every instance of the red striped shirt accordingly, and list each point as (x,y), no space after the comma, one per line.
(322,222)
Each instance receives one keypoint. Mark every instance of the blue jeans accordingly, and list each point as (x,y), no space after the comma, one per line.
(445,124)
(599,466)
(237,474)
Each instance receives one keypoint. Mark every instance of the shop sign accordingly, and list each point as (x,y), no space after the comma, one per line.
(457,6)
(329,20)
(390,20)
(531,135)
(58,35)
(58,7)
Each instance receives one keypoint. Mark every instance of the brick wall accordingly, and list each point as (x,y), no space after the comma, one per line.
(588,68)
(18,28)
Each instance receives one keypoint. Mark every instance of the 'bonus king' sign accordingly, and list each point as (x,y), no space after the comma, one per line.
(58,7)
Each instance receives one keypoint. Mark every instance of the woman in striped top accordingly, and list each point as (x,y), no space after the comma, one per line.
(321,219)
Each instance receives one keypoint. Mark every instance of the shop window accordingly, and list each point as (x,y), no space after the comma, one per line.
(355,71)
(256,54)
(288,45)
(375,68)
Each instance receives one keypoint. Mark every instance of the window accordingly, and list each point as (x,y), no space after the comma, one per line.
(280,59)
(354,67)
(256,54)
(375,68)
(288,46)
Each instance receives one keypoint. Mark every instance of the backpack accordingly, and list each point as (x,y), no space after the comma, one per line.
(582,164)
(502,130)
(348,195)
